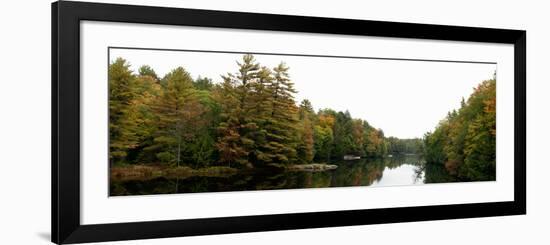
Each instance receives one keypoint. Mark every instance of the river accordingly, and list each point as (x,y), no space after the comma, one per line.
(390,171)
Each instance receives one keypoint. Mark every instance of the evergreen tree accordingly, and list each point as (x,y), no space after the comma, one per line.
(358,137)
(251,119)
(238,124)
(229,142)
(306,110)
(305,149)
(323,135)
(148,89)
(260,106)
(203,83)
(179,116)
(148,71)
(464,142)
(480,149)
(280,127)
(201,150)
(122,122)
(343,138)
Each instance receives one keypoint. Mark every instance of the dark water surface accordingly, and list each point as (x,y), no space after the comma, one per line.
(390,171)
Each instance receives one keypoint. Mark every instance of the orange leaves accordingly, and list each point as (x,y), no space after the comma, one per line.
(326,121)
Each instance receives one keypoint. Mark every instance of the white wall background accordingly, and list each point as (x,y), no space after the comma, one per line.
(25,122)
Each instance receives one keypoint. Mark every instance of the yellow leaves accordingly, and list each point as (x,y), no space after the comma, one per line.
(358,132)
(465,141)
(326,121)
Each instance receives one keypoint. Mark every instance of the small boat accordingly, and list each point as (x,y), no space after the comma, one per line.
(351,157)
(390,155)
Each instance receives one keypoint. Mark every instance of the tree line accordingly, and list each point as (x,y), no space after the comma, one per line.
(465,141)
(249,119)
(405,146)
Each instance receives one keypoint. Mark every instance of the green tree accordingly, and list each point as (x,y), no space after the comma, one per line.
(229,143)
(343,137)
(203,83)
(122,121)
(480,149)
(179,114)
(465,141)
(305,149)
(201,149)
(358,136)
(323,136)
(258,107)
(280,127)
(148,71)
(249,119)
(237,127)
(376,145)
(148,90)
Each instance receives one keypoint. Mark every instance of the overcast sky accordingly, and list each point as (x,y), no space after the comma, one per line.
(404,98)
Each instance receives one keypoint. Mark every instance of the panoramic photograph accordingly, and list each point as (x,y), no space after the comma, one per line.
(190,121)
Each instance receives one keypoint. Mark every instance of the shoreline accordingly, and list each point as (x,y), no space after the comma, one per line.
(146,172)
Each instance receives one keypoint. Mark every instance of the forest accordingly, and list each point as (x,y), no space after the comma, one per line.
(465,141)
(250,119)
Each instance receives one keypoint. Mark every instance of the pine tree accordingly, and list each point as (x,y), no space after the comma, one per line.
(306,110)
(259,106)
(343,138)
(237,126)
(280,127)
(203,83)
(179,115)
(306,141)
(229,143)
(148,71)
(148,89)
(122,122)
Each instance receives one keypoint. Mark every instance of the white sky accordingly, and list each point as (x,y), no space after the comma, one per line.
(404,98)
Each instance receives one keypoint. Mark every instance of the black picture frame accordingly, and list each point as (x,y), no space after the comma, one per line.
(66,17)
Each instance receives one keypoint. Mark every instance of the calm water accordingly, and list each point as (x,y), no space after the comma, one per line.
(391,171)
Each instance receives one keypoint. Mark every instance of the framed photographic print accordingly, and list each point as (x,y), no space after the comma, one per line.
(176,122)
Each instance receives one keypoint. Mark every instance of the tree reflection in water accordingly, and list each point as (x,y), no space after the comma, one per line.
(363,172)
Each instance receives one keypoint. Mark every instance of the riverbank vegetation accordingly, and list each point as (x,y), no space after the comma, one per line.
(249,119)
(363,172)
(146,172)
(180,125)
(465,141)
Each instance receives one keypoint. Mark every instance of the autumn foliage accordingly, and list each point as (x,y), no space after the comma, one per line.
(465,141)
(248,119)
